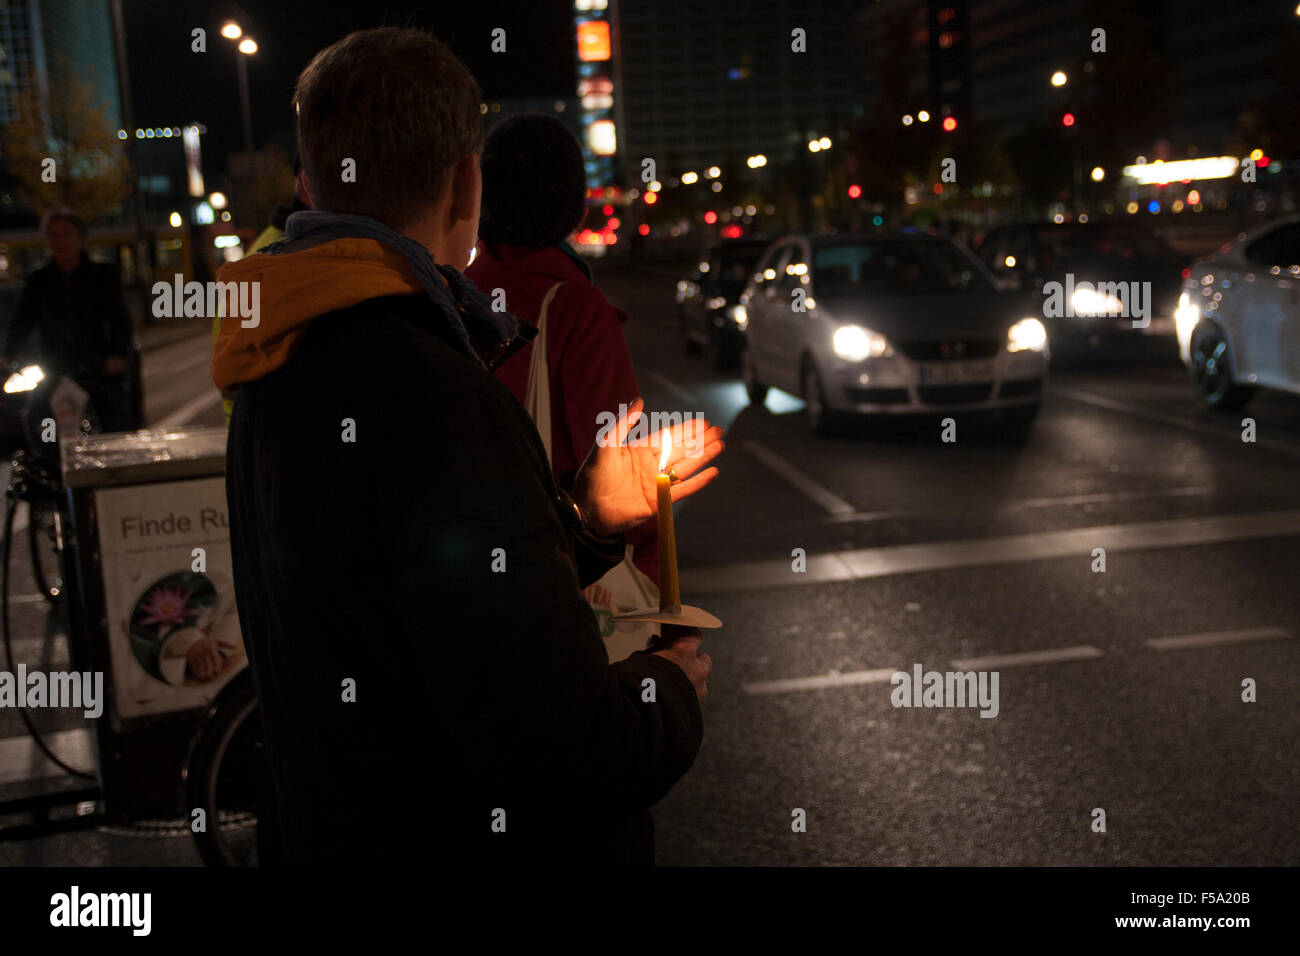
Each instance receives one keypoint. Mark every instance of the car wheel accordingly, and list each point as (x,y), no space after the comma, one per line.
(1212,368)
(822,420)
(756,390)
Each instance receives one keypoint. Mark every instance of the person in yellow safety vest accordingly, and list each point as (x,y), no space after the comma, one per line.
(273,231)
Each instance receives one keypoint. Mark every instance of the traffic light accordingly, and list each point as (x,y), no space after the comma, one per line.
(855,191)
(1067,119)
(949,124)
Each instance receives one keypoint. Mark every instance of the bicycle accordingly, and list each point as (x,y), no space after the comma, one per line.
(225,776)
(224,772)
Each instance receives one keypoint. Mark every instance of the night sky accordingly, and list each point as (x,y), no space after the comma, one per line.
(172,86)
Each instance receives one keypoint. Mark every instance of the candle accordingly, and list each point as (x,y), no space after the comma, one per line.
(669,598)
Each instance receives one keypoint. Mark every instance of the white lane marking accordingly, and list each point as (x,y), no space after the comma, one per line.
(1059,501)
(21,760)
(1181,641)
(190,410)
(1189,424)
(1038,546)
(26,598)
(822,495)
(671,386)
(200,357)
(177,347)
(1056,655)
(22,517)
(821,681)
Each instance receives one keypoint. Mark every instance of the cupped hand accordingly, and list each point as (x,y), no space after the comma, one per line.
(615,487)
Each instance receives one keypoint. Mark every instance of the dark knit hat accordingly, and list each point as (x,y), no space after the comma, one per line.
(534,184)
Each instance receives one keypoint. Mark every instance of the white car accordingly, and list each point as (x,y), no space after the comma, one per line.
(1238,318)
(885,324)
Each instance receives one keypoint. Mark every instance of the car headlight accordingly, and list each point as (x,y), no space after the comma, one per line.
(1185,318)
(853,343)
(1029,334)
(24,380)
(1090,302)
(740,315)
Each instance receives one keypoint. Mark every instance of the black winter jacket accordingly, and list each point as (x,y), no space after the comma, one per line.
(487,724)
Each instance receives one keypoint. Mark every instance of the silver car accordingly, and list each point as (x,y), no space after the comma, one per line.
(900,322)
(1238,318)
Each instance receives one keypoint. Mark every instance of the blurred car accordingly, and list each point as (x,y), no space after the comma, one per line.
(894,322)
(706,298)
(1028,256)
(1238,316)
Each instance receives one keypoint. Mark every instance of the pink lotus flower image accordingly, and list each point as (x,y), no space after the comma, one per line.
(166,606)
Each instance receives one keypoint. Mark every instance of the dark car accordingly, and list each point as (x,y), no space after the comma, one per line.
(1101,284)
(706,299)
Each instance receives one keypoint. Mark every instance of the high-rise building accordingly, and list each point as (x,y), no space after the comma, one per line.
(992,62)
(703,84)
(43,42)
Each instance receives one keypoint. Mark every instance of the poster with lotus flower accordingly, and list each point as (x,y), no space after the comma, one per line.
(169,593)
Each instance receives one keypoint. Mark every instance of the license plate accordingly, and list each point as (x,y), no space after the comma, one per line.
(955,372)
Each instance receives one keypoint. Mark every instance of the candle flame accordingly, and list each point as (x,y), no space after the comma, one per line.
(663,455)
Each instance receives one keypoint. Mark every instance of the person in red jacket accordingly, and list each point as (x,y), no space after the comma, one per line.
(534,198)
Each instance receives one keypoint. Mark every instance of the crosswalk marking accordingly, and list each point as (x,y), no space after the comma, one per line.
(822,495)
(977,552)
(1182,641)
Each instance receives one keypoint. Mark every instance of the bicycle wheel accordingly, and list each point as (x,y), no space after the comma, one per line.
(43,543)
(224,775)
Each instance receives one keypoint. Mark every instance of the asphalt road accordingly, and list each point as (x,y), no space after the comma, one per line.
(975,555)
(921,552)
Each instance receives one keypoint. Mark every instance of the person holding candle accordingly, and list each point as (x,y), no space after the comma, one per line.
(408,571)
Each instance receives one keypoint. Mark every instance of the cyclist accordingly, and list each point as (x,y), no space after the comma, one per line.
(76,308)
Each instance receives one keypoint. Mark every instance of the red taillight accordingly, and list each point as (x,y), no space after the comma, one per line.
(1187,273)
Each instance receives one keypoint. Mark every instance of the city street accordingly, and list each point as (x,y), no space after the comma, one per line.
(1119,690)
(965,556)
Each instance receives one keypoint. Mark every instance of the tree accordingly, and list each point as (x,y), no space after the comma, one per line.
(89,172)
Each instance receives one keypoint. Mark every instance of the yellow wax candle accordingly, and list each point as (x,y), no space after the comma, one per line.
(669,597)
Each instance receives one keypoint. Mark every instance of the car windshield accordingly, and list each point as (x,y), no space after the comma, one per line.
(1103,242)
(895,267)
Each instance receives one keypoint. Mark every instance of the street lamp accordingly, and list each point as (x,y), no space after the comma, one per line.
(247,46)
(1059,78)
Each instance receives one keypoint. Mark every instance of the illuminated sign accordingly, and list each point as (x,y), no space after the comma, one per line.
(593,40)
(193,168)
(601,138)
(1211,167)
